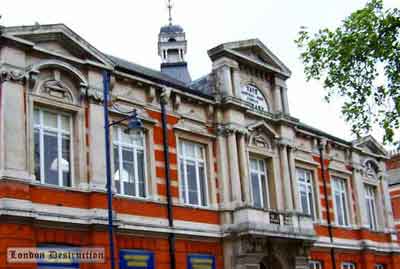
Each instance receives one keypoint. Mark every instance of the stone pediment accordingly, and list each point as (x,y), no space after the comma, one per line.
(369,145)
(261,135)
(57,39)
(252,51)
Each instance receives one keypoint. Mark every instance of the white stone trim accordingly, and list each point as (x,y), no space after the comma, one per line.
(25,208)
(324,241)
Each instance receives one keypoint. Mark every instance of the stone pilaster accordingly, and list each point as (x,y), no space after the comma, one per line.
(224,67)
(223,169)
(243,165)
(295,189)
(97,164)
(14,142)
(285,100)
(359,191)
(236,82)
(285,174)
(234,168)
(387,205)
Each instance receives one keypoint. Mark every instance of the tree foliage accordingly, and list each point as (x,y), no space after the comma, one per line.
(360,62)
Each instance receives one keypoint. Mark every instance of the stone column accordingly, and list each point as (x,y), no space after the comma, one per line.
(295,187)
(223,67)
(234,168)
(227,80)
(359,190)
(278,84)
(277,98)
(236,82)
(223,169)
(243,165)
(285,100)
(280,203)
(285,174)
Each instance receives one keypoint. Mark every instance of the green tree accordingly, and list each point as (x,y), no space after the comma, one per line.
(360,62)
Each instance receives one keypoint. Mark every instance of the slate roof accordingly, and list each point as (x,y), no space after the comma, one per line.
(178,71)
(170,29)
(155,75)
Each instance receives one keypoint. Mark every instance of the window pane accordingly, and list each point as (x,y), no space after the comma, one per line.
(264,191)
(65,161)
(261,166)
(49,119)
(126,138)
(36,117)
(50,158)
(116,174)
(311,203)
(192,183)
(127,154)
(138,139)
(338,209)
(129,188)
(256,190)
(203,190)
(65,123)
(253,165)
(304,204)
(190,150)
(127,175)
(346,222)
(141,175)
(37,154)
(182,181)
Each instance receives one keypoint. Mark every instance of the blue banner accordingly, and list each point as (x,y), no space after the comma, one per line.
(200,261)
(136,259)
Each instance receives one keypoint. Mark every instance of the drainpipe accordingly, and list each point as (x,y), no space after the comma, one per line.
(321,161)
(171,236)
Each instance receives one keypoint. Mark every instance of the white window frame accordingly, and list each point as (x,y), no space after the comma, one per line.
(60,132)
(117,141)
(312,264)
(370,198)
(183,180)
(259,172)
(379,266)
(309,186)
(348,265)
(343,192)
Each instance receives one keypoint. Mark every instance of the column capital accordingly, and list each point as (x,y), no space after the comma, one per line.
(285,142)
(22,76)
(229,129)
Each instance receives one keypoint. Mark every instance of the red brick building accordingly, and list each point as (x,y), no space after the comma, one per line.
(393,171)
(251,186)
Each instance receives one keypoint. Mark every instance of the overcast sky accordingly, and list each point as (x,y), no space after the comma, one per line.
(129,29)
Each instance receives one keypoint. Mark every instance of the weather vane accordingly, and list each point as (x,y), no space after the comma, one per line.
(170,12)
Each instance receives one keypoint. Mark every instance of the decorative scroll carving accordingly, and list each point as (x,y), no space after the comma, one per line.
(57,89)
(20,76)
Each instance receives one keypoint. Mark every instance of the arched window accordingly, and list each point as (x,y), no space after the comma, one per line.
(254,97)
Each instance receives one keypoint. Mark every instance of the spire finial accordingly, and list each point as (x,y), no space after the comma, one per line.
(170,12)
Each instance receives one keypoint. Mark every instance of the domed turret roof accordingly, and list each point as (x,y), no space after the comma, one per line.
(169,29)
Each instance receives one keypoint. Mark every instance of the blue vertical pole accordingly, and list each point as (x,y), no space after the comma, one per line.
(106,85)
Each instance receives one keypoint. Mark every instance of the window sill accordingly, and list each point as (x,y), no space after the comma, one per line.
(209,208)
(128,197)
(50,186)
